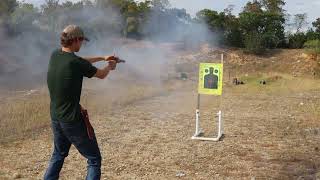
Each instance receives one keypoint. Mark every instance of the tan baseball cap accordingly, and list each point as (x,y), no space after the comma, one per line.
(74,31)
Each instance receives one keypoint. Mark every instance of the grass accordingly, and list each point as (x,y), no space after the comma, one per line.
(23,117)
(277,83)
(315,109)
(284,84)
(26,116)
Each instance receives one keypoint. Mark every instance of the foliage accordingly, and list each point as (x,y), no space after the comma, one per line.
(260,26)
(300,20)
(316,24)
(7,7)
(274,6)
(312,47)
(24,16)
(297,40)
(254,43)
(266,26)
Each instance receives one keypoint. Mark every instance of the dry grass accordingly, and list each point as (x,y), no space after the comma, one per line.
(149,138)
(271,131)
(278,83)
(305,91)
(26,116)
(23,117)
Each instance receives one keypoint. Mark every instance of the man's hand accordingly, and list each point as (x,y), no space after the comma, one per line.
(114,58)
(102,73)
(112,64)
(110,58)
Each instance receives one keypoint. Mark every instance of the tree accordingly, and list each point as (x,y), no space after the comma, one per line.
(229,9)
(215,20)
(7,7)
(132,27)
(312,35)
(297,40)
(253,43)
(144,8)
(232,33)
(50,15)
(24,17)
(49,6)
(160,4)
(316,25)
(253,7)
(259,20)
(300,20)
(274,30)
(274,6)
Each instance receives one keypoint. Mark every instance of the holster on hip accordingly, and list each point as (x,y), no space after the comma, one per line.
(85,117)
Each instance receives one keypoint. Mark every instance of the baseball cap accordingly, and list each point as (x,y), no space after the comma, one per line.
(74,31)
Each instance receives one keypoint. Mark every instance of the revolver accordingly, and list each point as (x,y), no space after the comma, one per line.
(118,60)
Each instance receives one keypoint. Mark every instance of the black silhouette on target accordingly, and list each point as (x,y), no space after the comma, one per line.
(211,80)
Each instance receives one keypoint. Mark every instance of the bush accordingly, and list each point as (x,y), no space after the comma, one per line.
(296,41)
(253,43)
(312,35)
(313,46)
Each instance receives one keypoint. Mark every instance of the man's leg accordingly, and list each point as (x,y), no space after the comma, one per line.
(91,151)
(61,150)
(87,147)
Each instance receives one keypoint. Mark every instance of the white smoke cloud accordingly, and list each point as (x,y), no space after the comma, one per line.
(24,58)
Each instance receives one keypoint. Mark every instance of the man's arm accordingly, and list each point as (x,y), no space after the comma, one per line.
(102,73)
(95,59)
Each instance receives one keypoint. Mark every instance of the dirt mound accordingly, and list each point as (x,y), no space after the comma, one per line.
(294,62)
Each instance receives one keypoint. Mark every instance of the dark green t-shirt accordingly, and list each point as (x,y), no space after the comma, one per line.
(64,78)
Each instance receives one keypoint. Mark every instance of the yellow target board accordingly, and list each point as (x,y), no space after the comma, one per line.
(210,78)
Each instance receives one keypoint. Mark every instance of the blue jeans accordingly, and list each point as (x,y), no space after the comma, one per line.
(74,133)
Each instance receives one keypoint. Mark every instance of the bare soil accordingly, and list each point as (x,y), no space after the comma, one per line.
(271,132)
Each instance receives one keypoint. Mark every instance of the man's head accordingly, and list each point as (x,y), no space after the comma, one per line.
(72,38)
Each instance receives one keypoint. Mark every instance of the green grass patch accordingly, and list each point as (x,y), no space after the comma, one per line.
(277,83)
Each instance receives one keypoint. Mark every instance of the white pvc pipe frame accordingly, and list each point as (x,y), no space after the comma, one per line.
(198,129)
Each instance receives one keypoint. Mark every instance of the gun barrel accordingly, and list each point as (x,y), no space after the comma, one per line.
(121,61)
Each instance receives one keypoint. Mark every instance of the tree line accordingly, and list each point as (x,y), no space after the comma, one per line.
(261,25)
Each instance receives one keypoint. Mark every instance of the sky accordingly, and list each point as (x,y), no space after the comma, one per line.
(311,7)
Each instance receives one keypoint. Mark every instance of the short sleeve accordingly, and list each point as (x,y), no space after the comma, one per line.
(86,68)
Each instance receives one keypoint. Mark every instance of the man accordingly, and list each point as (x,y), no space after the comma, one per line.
(69,124)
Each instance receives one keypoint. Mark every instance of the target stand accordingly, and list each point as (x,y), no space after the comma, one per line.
(199,131)
(210,83)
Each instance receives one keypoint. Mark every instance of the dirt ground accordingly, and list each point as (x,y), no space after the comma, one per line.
(270,132)
(268,135)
